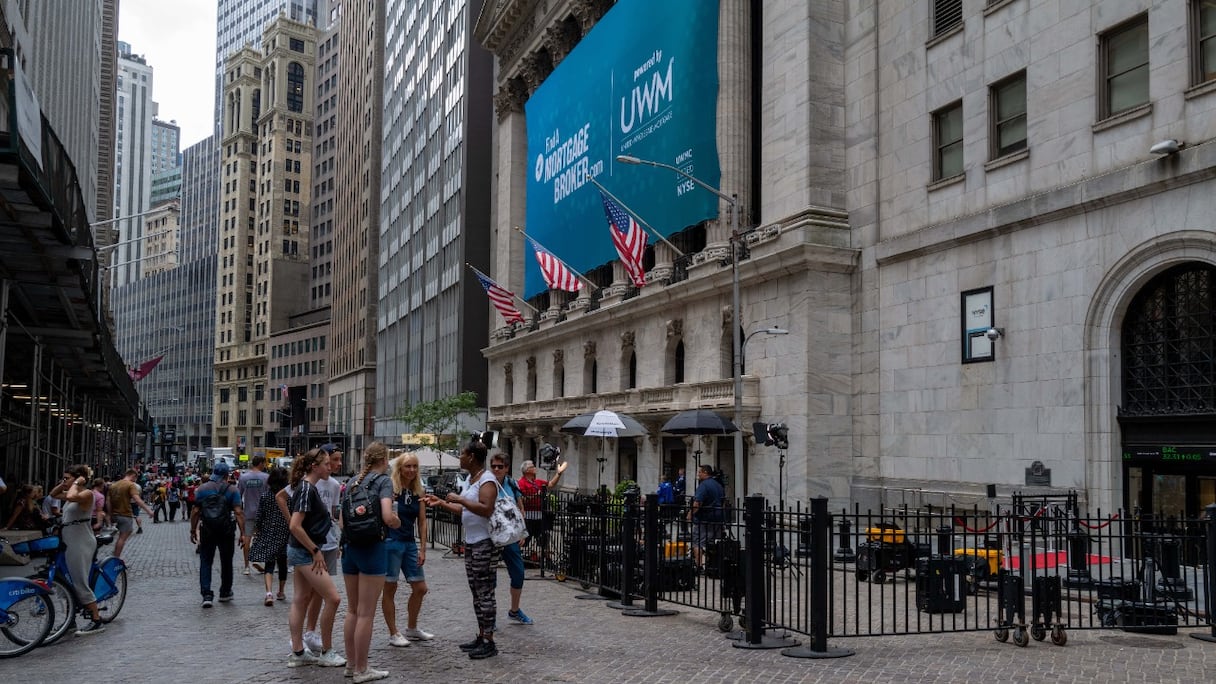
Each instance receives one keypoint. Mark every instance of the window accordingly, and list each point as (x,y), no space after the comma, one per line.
(1007,104)
(633,370)
(947,14)
(948,141)
(1123,67)
(296,44)
(295,87)
(1203,41)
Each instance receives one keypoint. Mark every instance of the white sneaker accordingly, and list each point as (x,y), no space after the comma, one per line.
(330,658)
(398,640)
(348,671)
(312,641)
(369,675)
(418,634)
(306,658)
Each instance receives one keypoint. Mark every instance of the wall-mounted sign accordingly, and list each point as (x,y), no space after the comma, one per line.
(976,321)
(1165,453)
(1037,475)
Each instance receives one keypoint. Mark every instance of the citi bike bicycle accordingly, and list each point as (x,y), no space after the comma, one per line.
(27,614)
(107,579)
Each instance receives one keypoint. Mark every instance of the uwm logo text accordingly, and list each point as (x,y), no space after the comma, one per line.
(652,94)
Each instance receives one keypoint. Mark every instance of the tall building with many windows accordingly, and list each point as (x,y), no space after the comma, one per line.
(166,146)
(239,23)
(434,210)
(135,112)
(358,87)
(266,172)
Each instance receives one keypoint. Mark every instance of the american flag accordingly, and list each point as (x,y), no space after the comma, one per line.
(501,298)
(557,276)
(629,239)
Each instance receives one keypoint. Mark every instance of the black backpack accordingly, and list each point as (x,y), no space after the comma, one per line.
(361,522)
(215,512)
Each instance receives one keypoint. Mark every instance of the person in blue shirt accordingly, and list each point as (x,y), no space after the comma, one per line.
(216,533)
(512,556)
(405,549)
(666,496)
(706,512)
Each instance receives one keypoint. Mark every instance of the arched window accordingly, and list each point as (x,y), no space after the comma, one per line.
(633,369)
(678,363)
(1169,345)
(257,110)
(531,388)
(591,372)
(295,87)
(559,379)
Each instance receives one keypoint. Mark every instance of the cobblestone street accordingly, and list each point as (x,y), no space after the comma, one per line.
(163,635)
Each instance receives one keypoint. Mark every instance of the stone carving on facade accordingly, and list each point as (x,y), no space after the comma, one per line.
(559,357)
(508,371)
(561,38)
(675,327)
(522,35)
(588,12)
(627,339)
(589,349)
(727,316)
(531,364)
(510,98)
(534,68)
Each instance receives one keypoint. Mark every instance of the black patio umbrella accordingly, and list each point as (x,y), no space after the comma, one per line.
(699,422)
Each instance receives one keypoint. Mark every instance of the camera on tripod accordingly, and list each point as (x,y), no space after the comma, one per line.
(772,434)
(548,454)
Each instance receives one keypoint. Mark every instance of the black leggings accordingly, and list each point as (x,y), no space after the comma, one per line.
(281,562)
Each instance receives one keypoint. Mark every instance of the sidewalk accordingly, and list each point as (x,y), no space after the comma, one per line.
(163,635)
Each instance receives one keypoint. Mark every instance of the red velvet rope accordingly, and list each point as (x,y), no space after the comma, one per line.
(1087,526)
(961,523)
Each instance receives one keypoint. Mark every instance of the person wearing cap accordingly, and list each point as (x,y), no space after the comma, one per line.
(213,541)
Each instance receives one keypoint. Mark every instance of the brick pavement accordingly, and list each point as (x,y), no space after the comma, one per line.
(163,635)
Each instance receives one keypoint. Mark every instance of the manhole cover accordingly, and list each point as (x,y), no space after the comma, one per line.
(1139,642)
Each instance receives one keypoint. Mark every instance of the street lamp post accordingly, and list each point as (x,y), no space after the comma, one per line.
(740,484)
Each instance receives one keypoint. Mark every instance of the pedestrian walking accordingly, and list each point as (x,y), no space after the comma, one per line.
(511,554)
(475,504)
(309,526)
(218,508)
(251,486)
(175,500)
(405,551)
(367,509)
(122,501)
(268,550)
(706,512)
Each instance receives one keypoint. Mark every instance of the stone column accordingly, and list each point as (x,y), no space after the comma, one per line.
(734,119)
(507,245)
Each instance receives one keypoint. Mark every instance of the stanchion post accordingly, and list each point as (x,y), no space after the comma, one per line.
(755,589)
(844,551)
(650,569)
(821,569)
(1209,575)
(629,558)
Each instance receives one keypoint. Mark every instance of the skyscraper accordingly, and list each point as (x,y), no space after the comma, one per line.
(432,316)
(166,146)
(266,164)
(132,165)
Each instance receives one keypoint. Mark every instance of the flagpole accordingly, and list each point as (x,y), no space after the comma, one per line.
(563,263)
(517,297)
(635,215)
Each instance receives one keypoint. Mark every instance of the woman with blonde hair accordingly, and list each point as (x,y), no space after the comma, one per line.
(405,551)
(364,560)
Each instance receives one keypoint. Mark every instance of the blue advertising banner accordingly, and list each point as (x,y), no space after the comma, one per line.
(643,82)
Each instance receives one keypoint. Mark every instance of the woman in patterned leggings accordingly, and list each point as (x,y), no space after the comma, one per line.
(475,505)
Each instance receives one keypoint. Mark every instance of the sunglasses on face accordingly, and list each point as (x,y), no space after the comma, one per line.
(499,466)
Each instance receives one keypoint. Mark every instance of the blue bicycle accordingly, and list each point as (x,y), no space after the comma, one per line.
(107,579)
(26,615)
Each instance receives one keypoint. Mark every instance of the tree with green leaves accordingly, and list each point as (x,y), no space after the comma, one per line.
(439,417)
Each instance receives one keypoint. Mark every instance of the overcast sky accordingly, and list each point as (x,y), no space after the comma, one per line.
(177,37)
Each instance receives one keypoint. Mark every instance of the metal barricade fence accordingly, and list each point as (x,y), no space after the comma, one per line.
(1028,570)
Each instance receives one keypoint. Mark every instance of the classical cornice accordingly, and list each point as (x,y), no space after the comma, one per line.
(500,19)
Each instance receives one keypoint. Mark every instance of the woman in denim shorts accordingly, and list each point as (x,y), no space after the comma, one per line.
(405,552)
(309,525)
(363,565)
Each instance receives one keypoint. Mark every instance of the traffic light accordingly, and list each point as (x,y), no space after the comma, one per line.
(772,434)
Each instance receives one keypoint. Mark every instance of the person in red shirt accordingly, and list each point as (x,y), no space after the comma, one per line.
(533,490)
(191,486)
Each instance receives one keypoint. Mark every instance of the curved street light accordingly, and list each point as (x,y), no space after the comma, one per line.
(737,346)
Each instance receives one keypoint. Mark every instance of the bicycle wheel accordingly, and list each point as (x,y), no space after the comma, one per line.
(25,624)
(64,599)
(110,586)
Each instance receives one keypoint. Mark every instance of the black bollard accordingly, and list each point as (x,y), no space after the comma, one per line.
(1168,553)
(1209,574)
(945,540)
(845,552)
(629,559)
(1078,560)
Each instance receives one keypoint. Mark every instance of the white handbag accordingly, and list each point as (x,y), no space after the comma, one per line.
(506,522)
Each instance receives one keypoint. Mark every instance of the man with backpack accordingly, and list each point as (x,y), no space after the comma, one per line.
(217,514)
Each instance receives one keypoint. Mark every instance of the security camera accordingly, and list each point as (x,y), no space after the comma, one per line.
(994,334)
(1169,146)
